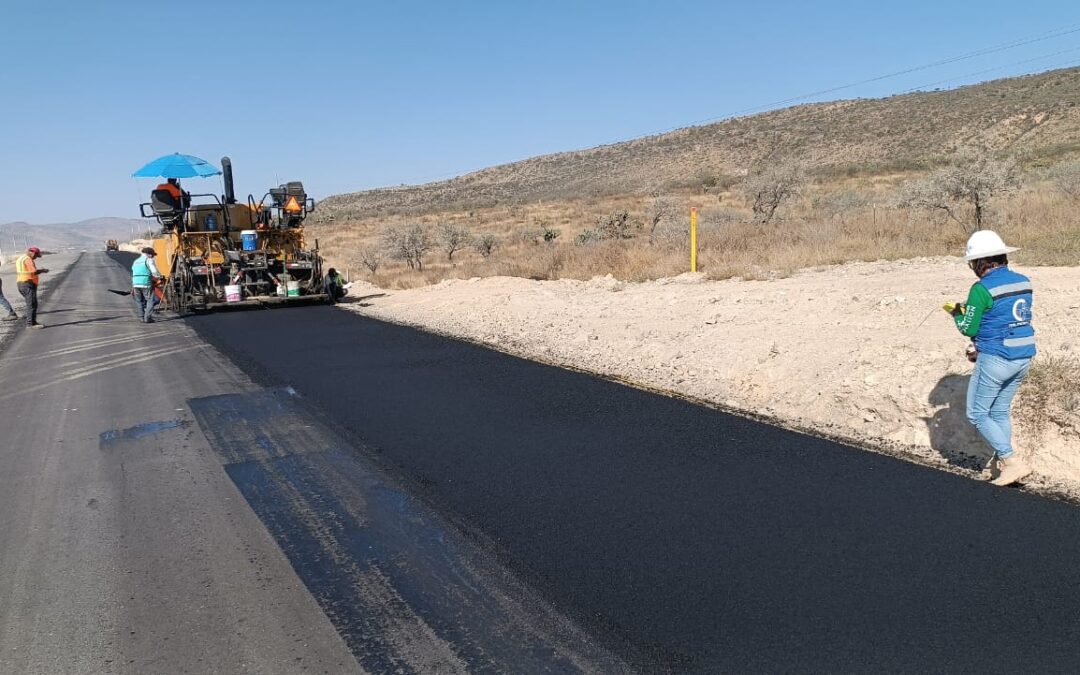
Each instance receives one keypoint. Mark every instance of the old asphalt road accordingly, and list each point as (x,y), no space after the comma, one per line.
(124,547)
(378,498)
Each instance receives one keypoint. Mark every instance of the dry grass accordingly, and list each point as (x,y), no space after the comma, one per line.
(812,232)
(1051,395)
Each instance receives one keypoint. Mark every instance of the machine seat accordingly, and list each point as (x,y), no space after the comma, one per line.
(167,208)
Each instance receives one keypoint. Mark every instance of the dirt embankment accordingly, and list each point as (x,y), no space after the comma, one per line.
(860,351)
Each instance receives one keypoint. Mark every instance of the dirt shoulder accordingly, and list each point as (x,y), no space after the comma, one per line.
(860,352)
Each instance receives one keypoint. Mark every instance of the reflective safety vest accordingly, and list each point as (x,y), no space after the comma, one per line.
(1006,328)
(26,270)
(174,190)
(141,276)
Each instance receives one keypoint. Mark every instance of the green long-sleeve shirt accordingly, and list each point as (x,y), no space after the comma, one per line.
(978,303)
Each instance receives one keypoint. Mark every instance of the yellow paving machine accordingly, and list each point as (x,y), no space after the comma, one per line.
(217,252)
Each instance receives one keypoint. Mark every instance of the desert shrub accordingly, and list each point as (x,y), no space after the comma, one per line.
(1065,178)
(770,187)
(662,209)
(616,225)
(546,263)
(406,242)
(587,236)
(531,235)
(1050,395)
(840,205)
(452,238)
(711,181)
(393,241)
(720,215)
(370,257)
(964,190)
(671,235)
(485,244)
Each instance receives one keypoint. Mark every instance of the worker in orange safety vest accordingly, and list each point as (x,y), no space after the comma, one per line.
(27,272)
(172,186)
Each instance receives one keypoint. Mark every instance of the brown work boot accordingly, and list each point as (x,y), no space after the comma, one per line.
(1012,470)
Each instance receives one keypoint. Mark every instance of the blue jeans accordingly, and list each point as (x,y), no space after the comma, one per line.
(4,304)
(989,397)
(145,301)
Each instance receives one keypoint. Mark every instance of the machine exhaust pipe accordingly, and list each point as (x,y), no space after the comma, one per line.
(226,174)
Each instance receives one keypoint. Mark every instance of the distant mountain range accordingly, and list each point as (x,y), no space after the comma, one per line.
(85,234)
(1036,117)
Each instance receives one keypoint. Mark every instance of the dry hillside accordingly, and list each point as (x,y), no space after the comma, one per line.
(1036,116)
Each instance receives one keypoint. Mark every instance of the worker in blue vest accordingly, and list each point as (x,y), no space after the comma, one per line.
(997,317)
(144,277)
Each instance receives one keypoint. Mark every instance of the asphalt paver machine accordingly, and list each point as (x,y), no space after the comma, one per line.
(216,252)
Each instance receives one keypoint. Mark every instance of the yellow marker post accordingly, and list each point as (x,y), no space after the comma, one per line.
(693,239)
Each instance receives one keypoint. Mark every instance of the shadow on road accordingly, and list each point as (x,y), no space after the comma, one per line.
(951,434)
(83,321)
(359,300)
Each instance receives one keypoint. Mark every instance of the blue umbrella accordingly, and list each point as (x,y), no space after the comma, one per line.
(177,166)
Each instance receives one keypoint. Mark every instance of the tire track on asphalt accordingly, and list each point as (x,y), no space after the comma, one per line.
(404,591)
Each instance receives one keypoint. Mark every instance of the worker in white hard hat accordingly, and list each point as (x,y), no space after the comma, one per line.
(997,318)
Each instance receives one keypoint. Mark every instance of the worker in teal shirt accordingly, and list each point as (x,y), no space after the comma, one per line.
(997,317)
(144,277)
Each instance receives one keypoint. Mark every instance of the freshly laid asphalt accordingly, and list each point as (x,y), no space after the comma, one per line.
(683,538)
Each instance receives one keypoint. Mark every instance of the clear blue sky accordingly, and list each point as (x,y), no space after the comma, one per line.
(349,95)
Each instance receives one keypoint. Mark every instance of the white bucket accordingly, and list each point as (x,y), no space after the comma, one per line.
(292,288)
(280,290)
(233,293)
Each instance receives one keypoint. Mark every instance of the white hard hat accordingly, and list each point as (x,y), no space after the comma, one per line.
(986,244)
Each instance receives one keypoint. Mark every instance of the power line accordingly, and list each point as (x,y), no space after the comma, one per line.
(996,68)
(993,49)
(989,50)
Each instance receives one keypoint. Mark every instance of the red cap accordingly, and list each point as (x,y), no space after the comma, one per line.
(34,249)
